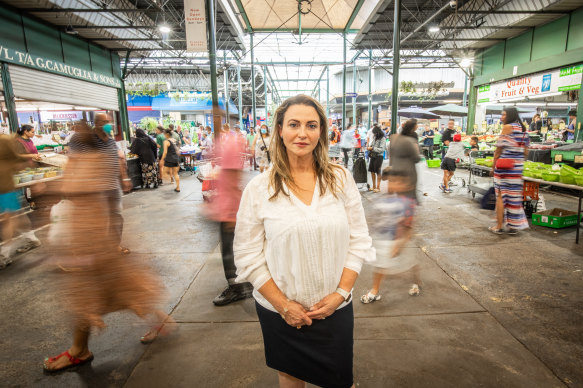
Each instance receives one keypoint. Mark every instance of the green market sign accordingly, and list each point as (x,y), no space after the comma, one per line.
(539,85)
(25,59)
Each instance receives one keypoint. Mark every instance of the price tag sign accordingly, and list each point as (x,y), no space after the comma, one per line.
(544,130)
(558,158)
(579,159)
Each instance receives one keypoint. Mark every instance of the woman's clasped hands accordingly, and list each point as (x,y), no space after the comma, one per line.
(297,316)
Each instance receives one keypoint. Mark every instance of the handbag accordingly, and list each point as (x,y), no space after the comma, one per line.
(505,164)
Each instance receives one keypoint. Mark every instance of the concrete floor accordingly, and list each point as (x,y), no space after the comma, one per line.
(495,310)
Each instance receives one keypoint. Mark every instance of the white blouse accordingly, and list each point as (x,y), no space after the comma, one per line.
(303,248)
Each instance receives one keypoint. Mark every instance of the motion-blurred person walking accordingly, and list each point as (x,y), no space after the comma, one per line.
(146,149)
(115,177)
(391,229)
(224,209)
(96,280)
(404,155)
(10,223)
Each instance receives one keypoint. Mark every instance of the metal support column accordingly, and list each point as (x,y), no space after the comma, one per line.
(396,64)
(344,126)
(253,105)
(354,121)
(124,121)
(578,126)
(465,100)
(212,32)
(265,92)
(327,91)
(472,99)
(9,98)
(369,89)
(226,77)
(240,97)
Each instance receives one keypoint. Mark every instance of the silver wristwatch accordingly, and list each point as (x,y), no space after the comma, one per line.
(345,294)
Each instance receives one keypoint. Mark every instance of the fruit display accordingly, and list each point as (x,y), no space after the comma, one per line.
(553,173)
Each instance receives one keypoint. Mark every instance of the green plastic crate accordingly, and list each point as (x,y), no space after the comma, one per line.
(555,218)
(433,163)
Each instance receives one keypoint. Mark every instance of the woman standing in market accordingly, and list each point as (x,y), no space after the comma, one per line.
(511,151)
(98,280)
(376,149)
(260,148)
(145,147)
(301,238)
(171,158)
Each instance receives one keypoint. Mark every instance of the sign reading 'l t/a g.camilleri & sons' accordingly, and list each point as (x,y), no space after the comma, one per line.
(539,84)
(25,59)
(195,25)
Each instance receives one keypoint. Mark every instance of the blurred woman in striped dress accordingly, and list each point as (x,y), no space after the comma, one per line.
(512,149)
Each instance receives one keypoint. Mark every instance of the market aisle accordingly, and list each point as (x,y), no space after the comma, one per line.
(466,329)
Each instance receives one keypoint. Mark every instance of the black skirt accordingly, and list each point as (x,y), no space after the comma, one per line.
(375,164)
(320,354)
(170,164)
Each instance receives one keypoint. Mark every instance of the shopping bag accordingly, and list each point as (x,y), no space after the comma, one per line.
(489,199)
(59,228)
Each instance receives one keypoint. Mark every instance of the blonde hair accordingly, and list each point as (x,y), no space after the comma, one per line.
(327,173)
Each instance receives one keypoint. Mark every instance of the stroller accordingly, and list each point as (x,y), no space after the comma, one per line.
(359,170)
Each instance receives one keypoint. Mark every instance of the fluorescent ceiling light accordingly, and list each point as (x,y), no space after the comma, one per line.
(528,104)
(434,29)
(164,29)
(452,101)
(560,104)
(546,95)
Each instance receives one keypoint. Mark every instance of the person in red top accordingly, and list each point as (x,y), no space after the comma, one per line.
(357,143)
(25,146)
(224,209)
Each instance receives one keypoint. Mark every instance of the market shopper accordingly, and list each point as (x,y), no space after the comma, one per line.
(160,145)
(304,214)
(171,158)
(428,137)
(96,280)
(447,136)
(146,149)
(376,148)
(347,143)
(404,155)
(511,151)
(10,162)
(391,229)
(115,180)
(260,148)
(250,147)
(455,152)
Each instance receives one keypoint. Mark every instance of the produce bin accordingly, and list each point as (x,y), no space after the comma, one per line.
(433,163)
(555,218)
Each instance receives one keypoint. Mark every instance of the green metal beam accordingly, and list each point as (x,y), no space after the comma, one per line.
(318,80)
(124,120)
(308,30)
(9,98)
(323,63)
(396,64)
(244,14)
(353,16)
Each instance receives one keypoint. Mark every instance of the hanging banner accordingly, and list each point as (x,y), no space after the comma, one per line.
(195,25)
(553,81)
